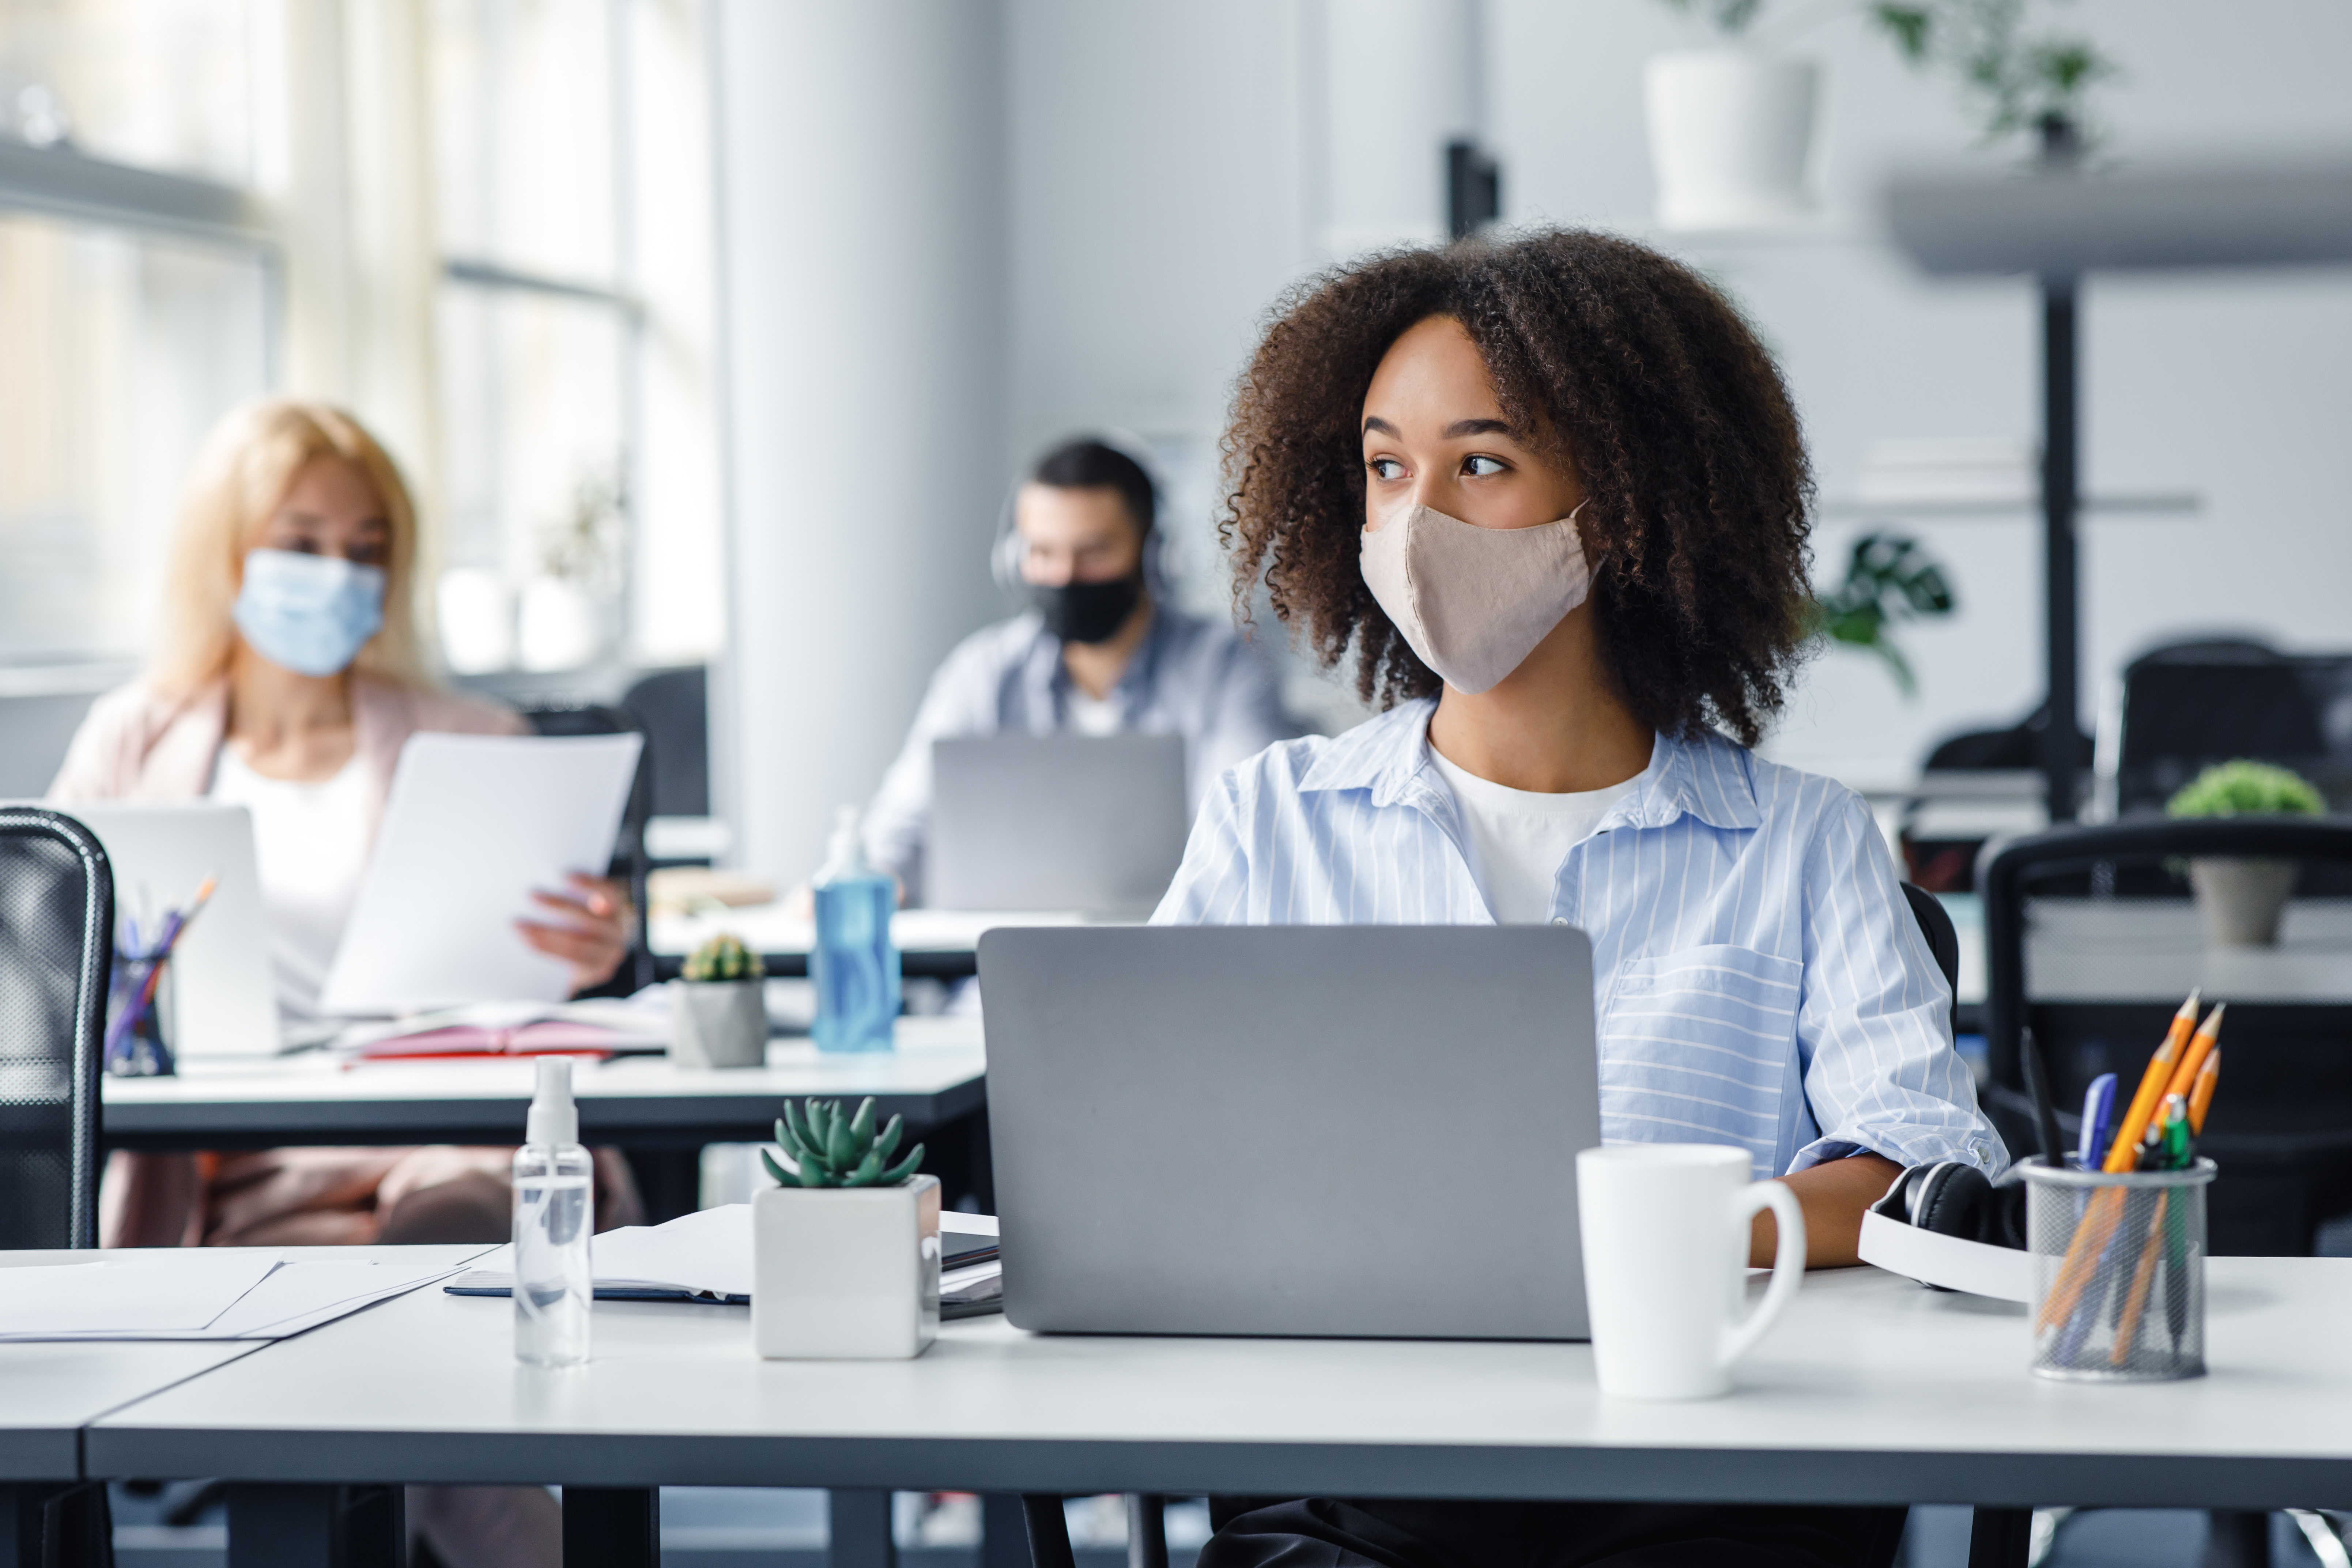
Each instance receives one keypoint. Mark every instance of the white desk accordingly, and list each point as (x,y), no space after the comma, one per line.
(935,1076)
(50,1390)
(940,944)
(1872,1390)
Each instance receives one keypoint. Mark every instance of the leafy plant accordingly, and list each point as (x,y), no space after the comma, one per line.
(1888,578)
(2244,788)
(2021,80)
(835,1150)
(721,959)
(1730,17)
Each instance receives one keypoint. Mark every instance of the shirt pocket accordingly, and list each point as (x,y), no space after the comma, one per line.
(1699,1047)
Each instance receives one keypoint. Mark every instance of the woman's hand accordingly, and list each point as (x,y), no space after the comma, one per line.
(593,935)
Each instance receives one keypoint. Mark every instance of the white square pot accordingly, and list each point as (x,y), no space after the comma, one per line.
(844,1273)
(718,1023)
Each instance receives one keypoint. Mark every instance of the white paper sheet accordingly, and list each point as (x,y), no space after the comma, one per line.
(158,1294)
(474,824)
(301,1295)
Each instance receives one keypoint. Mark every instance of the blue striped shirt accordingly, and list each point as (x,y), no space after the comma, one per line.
(1758,977)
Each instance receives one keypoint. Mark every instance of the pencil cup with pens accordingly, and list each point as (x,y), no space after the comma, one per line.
(2117,1233)
(138,1002)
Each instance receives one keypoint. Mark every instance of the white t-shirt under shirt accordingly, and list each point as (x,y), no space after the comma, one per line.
(1519,837)
(1094,715)
(311,842)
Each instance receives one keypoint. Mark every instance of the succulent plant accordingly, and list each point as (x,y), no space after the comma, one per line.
(837,1150)
(724,958)
(2244,788)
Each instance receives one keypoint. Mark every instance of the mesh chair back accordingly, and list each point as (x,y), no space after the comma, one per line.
(629,863)
(2186,710)
(2094,934)
(57,952)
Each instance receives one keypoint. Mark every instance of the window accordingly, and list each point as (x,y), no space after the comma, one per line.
(552,337)
(136,288)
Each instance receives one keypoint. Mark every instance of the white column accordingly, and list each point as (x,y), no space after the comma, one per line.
(861,196)
(1400,78)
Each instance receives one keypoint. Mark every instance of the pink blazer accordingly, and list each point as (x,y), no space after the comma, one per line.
(139,744)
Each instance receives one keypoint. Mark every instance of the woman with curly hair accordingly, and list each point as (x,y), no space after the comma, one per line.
(1551,497)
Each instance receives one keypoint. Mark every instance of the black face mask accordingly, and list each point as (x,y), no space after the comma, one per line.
(1086,612)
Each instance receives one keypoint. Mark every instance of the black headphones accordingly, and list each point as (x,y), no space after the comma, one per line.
(1004,554)
(1952,1198)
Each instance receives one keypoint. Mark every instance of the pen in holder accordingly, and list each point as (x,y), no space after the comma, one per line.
(137,1003)
(2118,1272)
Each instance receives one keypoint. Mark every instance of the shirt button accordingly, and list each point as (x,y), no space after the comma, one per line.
(1559,919)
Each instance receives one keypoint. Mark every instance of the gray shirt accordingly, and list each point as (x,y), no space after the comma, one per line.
(1190,677)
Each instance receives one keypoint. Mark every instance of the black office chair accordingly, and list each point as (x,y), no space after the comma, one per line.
(629,862)
(1147,1523)
(56,957)
(2189,705)
(672,706)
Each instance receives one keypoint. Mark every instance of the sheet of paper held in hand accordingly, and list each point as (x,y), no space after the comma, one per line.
(474,824)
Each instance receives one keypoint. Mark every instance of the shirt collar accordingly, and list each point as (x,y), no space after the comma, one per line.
(1708,777)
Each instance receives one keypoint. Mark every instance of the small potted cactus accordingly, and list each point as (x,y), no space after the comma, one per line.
(718,1008)
(2243,898)
(846,1248)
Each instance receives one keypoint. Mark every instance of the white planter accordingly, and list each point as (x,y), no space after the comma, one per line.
(718,1023)
(2242,901)
(845,1273)
(1731,136)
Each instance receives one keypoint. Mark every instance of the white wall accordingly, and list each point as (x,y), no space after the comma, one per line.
(862,239)
(1170,176)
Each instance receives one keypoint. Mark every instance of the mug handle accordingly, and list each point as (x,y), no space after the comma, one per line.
(1787,1260)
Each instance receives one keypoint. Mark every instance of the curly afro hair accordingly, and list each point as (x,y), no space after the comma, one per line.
(1617,361)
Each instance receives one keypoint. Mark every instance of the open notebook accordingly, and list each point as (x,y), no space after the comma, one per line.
(707,1257)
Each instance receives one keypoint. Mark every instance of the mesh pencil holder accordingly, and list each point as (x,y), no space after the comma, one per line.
(2118,1272)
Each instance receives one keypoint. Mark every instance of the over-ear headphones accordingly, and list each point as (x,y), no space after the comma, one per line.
(1951,1198)
(1004,553)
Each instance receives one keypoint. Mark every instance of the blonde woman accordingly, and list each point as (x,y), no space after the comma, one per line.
(286,675)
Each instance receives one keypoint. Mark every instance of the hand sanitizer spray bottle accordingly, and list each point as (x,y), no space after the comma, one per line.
(855,964)
(554,1214)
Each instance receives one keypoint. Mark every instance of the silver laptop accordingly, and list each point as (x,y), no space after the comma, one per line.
(1349,1131)
(223,1001)
(1094,823)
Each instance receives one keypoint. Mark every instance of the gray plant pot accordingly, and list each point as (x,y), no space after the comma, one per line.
(718,1023)
(2242,901)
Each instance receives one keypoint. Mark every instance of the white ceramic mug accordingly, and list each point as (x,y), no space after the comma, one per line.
(1666,1230)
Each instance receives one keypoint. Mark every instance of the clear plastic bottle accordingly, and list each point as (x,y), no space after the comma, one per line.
(554,1215)
(855,965)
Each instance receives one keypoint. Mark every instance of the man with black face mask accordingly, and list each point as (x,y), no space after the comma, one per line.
(1097,652)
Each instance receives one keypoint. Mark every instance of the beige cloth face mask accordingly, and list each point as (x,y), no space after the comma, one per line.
(1473,602)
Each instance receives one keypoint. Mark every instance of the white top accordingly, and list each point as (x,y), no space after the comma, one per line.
(1518,837)
(1094,715)
(310,841)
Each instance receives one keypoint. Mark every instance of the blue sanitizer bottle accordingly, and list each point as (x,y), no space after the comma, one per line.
(855,964)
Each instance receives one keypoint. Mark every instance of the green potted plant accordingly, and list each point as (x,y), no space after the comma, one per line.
(2241,898)
(1888,579)
(845,1246)
(718,1007)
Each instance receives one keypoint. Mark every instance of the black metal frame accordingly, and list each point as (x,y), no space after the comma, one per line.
(94,970)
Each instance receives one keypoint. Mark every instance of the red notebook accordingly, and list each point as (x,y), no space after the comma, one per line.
(546,1037)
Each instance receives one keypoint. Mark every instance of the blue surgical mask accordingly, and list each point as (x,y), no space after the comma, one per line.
(310,613)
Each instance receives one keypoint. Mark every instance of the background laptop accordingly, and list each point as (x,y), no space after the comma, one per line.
(1094,823)
(223,998)
(1363,1131)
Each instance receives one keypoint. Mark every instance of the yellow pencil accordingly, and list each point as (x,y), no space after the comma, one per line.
(2201,1046)
(2124,1153)
(2200,1093)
